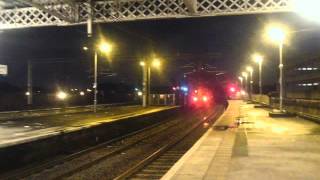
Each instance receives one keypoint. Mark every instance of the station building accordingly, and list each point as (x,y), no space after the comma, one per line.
(302,79)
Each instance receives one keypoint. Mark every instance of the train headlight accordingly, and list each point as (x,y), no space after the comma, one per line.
(195,99)
(204,98)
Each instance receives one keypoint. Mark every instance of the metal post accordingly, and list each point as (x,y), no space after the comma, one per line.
(281,77)
(260,81)
(90,19)
(29,83)
(95,84)
(251,84)
(144,86)
(149,85)
(247,85)
(260,78)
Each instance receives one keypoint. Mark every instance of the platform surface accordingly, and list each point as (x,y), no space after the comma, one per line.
(23,129)
(260,148)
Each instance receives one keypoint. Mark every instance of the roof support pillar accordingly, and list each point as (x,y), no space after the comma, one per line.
(192,6)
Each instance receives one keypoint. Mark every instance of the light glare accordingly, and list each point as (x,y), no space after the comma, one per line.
(257,58)
(156,63)
(105,47)
(244,74)
(307,8)
(205,98)
(276,33)
(142,63)
(195,99)
(61,95)
(249,69)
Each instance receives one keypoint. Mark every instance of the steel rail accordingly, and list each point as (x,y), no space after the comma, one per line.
(37,169)
(162,150)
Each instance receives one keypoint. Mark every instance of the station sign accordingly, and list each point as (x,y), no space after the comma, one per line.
(3,69)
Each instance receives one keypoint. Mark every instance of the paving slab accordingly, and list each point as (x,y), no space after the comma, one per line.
(262,147)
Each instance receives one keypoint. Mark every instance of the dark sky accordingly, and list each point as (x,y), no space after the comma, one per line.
(225,42)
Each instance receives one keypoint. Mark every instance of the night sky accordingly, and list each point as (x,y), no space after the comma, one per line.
(224,42)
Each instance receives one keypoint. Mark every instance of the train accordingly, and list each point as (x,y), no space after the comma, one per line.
(204,90)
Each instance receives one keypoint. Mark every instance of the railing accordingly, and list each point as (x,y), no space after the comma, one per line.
(162,99)
(302,107)
(263,99)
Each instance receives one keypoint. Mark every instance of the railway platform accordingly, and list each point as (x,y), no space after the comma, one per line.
(261,147)
(25,128)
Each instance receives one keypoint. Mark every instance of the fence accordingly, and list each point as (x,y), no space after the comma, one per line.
(301,107)
(162,99)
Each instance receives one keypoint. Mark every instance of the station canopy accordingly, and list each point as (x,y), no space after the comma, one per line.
(35,13)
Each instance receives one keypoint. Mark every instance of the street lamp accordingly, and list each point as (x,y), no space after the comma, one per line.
(241,81)
(277,34)
(156,63)
(85,48)
(146,78)
(250,70)
(259,59)
(245,75)
(105,48)
(61,95)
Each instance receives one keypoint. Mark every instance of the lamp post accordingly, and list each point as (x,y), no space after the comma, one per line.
(278,35)
(259,59)
(250,70)
(146,79)
(106,48)
(245,75)
(241,85)
(241,81)
(95,82)
(144,83)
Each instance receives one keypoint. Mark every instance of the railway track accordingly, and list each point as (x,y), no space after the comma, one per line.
(156,165)
(151,164)
(157,168)
(141,135)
